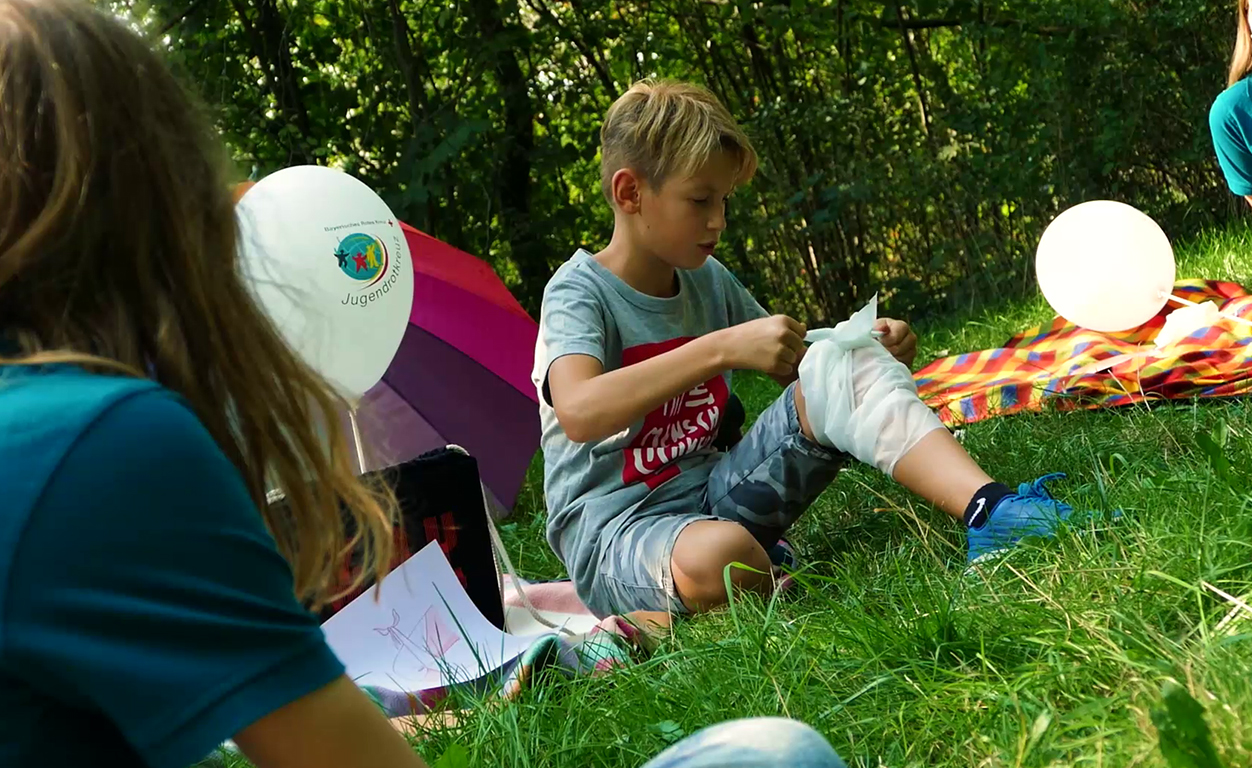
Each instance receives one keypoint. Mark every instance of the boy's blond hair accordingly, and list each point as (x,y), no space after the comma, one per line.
(661,129)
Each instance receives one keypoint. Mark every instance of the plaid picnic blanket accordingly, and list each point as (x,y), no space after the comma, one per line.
(1068,367)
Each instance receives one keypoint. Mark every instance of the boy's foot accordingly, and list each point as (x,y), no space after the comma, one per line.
(1032,511)
(782,557)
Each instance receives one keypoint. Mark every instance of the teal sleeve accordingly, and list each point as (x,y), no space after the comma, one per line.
(147,588)
(1230,122)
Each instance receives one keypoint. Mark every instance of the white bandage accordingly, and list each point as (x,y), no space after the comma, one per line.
(859,398)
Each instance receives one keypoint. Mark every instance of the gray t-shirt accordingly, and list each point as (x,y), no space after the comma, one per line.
(587,310)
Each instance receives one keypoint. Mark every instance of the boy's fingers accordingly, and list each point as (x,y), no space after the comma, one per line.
(895,332)
(906,350)
(900,340)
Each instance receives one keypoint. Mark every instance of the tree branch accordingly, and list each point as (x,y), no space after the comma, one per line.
(911,24)
(906,34)
(610,88)
(174,22)
(404,57)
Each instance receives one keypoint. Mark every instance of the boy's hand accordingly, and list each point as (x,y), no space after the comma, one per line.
(898,338)
(772,345)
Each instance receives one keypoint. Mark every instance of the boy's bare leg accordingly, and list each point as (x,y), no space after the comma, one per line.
(938,469)
(701,554)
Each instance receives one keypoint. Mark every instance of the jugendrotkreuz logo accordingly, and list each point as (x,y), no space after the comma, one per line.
(362,257)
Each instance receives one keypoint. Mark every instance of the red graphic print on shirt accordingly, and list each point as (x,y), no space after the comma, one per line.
(679,428)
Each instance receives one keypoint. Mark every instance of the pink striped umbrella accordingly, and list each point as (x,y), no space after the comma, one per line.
(462,374)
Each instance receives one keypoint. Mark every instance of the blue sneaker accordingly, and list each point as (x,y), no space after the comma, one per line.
(1032,511)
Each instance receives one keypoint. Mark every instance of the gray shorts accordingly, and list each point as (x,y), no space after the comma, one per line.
(764,483)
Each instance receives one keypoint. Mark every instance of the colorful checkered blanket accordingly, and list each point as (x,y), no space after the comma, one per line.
(1061,365)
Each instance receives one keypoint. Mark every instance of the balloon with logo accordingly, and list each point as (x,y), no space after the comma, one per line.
(329,263)
(1105,266)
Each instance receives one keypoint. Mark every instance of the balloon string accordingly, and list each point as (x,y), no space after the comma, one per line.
(1226,315)
(356,439)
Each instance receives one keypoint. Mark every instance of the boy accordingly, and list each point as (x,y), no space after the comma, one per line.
(633,368)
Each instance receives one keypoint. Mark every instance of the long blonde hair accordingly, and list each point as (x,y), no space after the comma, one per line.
(1241,60)
(118,253)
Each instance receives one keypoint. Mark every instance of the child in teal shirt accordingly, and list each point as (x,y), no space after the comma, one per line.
(1230,118)
(151,605)
(1230,121)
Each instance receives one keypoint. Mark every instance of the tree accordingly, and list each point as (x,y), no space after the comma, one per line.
(914,148)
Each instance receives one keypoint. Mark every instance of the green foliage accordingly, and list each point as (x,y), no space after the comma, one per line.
(1184,734)
(456,756)
(915,149)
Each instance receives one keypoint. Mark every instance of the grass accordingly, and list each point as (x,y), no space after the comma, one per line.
(1056,656)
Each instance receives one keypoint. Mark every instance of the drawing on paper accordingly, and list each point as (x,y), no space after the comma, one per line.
(422,632)
(422,647)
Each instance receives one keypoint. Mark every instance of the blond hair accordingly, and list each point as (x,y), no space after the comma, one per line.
(1241,60)
(118,253)
(662,129)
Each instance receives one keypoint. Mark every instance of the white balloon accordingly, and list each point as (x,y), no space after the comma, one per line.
(329,263)
(1105,266)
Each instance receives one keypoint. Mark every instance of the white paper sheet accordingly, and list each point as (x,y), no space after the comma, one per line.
(424,631)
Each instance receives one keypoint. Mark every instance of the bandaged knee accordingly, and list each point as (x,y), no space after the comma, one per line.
(861,400)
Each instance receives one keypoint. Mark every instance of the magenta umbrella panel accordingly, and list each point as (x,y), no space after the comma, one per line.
(461,376)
